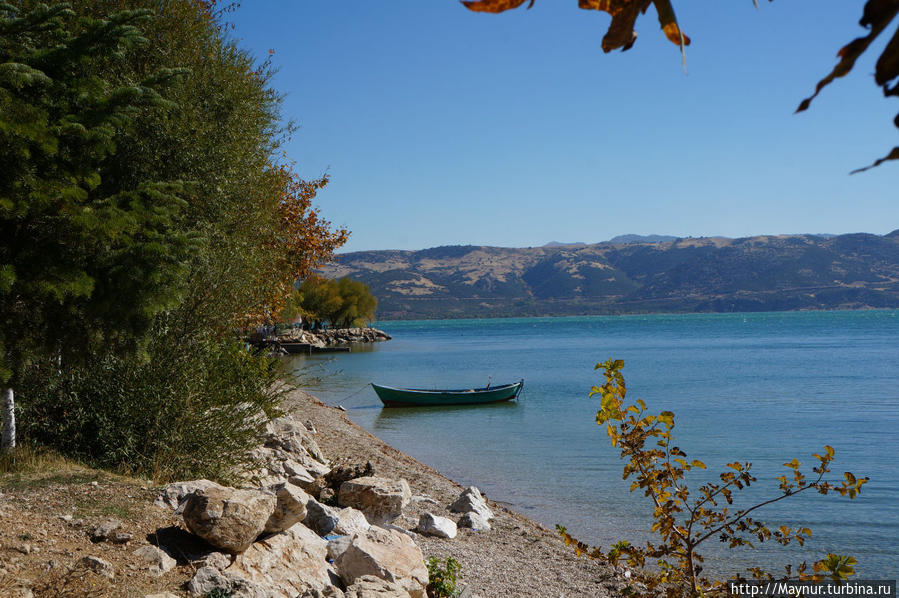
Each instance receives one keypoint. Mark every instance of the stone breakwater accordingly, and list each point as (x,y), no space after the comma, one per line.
(334,337)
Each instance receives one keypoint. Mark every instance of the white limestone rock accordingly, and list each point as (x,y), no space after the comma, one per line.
(173,495)
(432,525)
(157,561)
(288,563)
(381,499)
(350,522)
(369,586)
(471,500)
(320,518)
(475,521)
(228,519)
(385,554)
(290,507)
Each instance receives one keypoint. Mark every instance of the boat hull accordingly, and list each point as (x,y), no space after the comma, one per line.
(416,397)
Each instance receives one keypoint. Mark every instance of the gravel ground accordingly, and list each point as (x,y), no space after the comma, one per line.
(518,557)
(45,520)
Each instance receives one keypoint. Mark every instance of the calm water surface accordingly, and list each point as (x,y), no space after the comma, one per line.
(751,387)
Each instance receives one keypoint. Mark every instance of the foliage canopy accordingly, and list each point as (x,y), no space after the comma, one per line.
(83,258)
(344,302)
(145,212)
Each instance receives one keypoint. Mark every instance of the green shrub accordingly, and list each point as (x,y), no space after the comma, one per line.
(684,522)
(183,409)
(442,578)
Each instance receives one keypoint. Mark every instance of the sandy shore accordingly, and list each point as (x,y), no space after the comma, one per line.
(518,557)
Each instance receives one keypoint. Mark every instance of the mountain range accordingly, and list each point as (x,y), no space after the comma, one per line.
(632,274)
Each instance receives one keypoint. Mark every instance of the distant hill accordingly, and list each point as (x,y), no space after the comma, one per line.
(642,239)
(710,274)
(557,244)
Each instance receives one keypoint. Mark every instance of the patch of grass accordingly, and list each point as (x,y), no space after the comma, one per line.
(89,506)
(28,467)
(25,459)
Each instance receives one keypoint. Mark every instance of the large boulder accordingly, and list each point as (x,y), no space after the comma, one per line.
(320,518)
(471,500)
(382,500)
(174,495)
(432,525)
(290,435)
(369,586)
(206,580)
(289,509)
(289,563)
(228,519)
(474,521)
(350,522)
(386,554)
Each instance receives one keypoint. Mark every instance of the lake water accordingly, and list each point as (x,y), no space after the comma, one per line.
(761,387)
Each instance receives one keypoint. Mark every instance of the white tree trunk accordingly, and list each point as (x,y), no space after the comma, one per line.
(8,439)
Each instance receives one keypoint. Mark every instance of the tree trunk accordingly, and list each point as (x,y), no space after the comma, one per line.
(8,439)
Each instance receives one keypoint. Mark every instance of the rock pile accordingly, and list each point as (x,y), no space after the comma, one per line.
(275,536)
(336,336)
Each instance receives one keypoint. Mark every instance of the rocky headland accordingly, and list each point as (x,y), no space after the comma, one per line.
(331,511)
(333,337)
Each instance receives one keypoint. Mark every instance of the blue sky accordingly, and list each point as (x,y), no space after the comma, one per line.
(439,126)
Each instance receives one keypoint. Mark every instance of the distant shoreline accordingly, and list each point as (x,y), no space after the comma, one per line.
(379,322)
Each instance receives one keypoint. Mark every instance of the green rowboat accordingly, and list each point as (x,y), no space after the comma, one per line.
(420,397)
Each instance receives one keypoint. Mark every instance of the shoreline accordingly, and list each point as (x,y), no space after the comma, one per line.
(518,557)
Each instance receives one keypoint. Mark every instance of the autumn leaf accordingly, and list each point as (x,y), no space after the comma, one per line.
(887,67)
(877,15)
(624,14)
(494,5)
(669,23)
(893,155)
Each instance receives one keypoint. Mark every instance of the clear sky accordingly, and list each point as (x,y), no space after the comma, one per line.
(440,126)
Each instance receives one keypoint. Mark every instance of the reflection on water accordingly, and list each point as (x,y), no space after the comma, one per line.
(392,418)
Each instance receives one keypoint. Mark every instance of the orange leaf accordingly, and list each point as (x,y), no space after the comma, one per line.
(494,5)
(624,13)
(669,22)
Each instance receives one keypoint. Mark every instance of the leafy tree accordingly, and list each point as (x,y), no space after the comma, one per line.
(876,16)
(318,299)
(658,467)
(357,305)
(301,241)
(82,261)
(243,222)
(343,302)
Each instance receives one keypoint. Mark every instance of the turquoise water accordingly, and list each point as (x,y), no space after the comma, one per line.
(762,387)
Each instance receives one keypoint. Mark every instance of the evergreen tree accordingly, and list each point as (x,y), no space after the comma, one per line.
(82,261)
